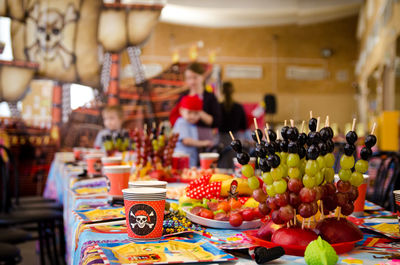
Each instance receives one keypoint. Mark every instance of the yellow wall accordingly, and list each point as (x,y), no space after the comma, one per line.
(295,45)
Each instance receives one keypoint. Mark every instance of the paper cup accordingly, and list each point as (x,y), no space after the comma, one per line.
(144,208)
(208,160)
(238,166)
(397,204)
(118,178)
(93,162)
(111,161)
(78,152)
(180,161)
(148,184)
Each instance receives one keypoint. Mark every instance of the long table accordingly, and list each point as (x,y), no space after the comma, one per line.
(82,239)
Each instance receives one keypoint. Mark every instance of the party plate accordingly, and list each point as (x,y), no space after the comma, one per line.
(100,214)
(384,224)
(296,250)
(220,224)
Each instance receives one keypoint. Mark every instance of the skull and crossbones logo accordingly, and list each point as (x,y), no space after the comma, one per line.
(142,219)
(49,44)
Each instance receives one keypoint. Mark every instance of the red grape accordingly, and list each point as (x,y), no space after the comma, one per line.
(259,195)
(318,193)
(307,195)
(343,186)
(295,185)
(330,188)
(286,213)
(324,191)
(347,209)
(305,210)
(342,199)
(264,209)
(330,202)
(294,200)
(282,199)
(314,206)
(276,218)
(272,204)
(353,193)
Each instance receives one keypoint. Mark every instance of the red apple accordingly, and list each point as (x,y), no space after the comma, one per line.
(337,231)
(293,236)
(267,229)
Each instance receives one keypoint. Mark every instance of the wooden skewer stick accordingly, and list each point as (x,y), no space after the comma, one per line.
(310,114)
(285,124)
(353,127)
(231,134)
(278,136)
(302,126)
(255,123)
(318,120)
(266,134)
(322,210)
(302,224)
(309,222)
(339,209)
(291,122)
(373,128)
(294,217)
(326,121)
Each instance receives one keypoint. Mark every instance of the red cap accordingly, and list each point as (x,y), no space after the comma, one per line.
(191,103)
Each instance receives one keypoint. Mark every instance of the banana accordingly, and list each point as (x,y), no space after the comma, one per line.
(220,177)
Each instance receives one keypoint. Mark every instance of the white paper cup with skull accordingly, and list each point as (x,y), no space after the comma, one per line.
(144,209)
(148,184)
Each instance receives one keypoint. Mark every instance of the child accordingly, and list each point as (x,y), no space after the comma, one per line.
(190,107)
(112,119)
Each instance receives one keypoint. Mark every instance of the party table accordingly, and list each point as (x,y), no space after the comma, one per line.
(94,243)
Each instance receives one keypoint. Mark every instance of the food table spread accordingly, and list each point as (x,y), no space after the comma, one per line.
(89,242)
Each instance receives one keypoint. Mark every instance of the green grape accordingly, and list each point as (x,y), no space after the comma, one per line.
(247,171)
(356,179)
(270,191)
(321,162)
(361,166)
(283,156)
(311,167)
(319,178)
(344,174)
(293,160)
(294,173)
(329,160)
(308,181)
(276,173)
(253,182)
(284,169)
(329,174)
(267,178)
(347,162)
(280,186)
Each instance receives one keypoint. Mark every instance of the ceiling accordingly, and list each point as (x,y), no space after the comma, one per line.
(240,13)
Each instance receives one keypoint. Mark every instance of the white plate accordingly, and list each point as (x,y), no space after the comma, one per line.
(219,224)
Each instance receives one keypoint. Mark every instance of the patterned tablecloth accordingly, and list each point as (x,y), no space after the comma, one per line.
(90,245)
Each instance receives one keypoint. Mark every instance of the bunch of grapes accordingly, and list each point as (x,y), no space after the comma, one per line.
(169,149)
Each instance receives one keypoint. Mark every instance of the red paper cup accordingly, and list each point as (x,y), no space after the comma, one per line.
(238,166)
(208,160)
(180,161)
(118,178)
(78,152)
(148,184)
(359,203)
(94,164)
(111,161)
(144,208)
(397,206)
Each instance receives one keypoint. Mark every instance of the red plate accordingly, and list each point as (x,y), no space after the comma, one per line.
(297,250)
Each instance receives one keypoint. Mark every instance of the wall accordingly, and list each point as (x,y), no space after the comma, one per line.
(275,48)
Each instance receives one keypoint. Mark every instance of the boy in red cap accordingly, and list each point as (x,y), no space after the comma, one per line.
(190,107)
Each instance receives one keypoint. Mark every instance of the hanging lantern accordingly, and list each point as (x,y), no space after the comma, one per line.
(14,79)
(193,54)
(123,25)
(175,56)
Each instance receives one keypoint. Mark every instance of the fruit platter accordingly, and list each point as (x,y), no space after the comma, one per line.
(290,195)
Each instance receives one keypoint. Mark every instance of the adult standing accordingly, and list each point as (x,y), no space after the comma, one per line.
(210,116)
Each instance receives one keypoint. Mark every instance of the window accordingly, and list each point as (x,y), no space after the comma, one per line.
(81,95)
